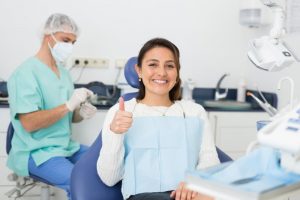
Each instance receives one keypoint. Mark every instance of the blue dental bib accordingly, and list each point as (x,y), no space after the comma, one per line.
(158,151)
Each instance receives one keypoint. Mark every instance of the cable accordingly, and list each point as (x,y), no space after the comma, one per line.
(115,84)
(76,64)
(81,72)
(261,94)
(71,68)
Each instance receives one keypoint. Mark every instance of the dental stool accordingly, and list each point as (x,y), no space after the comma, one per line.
(85,182)
(24,184)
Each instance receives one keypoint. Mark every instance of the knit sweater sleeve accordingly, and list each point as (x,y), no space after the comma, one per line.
(208,154)
(110,164)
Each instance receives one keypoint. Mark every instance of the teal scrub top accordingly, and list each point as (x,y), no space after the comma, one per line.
(33,87)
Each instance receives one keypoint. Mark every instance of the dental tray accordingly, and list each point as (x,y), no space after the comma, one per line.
(231,192)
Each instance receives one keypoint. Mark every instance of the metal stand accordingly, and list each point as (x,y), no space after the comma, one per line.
(25,184)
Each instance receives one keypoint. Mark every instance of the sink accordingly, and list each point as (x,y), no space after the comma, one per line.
(227,105)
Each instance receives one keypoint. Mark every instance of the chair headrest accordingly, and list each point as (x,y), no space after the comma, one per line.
(130,73)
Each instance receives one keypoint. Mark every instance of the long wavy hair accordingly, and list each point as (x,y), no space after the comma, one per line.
(175,93)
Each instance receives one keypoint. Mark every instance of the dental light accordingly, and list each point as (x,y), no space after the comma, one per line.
(270,53)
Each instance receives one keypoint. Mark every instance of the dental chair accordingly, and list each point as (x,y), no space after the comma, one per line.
(85,182)
(24,184)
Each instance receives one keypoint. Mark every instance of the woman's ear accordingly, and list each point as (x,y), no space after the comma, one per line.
(138,70)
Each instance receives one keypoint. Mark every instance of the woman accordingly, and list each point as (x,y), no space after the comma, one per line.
(150,141)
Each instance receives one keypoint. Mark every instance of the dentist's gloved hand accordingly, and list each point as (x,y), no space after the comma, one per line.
(78,97)
(87,110)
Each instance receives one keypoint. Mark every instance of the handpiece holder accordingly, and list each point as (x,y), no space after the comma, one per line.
(270,53)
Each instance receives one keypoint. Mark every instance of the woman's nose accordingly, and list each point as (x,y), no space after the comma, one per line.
(162,71)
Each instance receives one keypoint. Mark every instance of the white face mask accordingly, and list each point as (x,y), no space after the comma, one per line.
(61,50)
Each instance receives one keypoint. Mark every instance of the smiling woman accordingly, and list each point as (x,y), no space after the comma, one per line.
(150,141)
(160,73)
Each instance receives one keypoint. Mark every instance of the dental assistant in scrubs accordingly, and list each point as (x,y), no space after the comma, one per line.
(43,105)
(150,141)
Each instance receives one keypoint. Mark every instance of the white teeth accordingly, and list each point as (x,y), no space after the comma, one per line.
(160,81)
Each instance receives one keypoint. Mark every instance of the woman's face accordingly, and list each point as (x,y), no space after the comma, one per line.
(158,72)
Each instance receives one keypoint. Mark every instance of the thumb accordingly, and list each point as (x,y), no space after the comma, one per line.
(121,104)
(172,195)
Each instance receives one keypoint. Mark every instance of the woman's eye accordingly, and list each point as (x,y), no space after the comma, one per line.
(171,66)
(152,65)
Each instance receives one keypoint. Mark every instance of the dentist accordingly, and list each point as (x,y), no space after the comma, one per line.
(43,104)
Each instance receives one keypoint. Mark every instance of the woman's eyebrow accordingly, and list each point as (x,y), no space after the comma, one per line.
(170,61)
(151,60)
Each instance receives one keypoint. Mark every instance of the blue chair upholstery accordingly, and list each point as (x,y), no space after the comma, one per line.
(223,157)
(85,182)
(9,136)
(131,77)
(130,73)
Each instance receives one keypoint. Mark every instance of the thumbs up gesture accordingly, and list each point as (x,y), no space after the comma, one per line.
(122,120)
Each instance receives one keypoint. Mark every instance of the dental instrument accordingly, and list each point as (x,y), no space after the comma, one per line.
(262,104)
(271,108)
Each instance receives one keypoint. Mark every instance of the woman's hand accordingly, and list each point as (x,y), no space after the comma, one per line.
(182,193)
(122,120)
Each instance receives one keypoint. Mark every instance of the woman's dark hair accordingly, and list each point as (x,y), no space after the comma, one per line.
(175,93)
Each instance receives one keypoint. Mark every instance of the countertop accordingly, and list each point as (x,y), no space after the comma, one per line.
(203,94)
(199,95)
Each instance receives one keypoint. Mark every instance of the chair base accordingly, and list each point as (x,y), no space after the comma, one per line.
(24,185)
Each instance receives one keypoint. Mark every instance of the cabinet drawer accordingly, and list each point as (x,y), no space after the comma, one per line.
(2,144)
(4,119)
(87,131)
(235,139)
(238,119)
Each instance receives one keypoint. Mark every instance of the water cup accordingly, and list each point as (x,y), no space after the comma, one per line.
(255,144)
(261,123)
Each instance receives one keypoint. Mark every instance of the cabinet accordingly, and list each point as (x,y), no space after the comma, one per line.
(233,131)
(86,131)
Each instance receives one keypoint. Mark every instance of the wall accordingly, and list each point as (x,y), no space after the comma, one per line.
(207,32)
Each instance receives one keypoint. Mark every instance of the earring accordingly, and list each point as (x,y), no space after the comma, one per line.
(140,79)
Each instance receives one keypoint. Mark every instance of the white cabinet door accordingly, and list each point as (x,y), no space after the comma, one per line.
(87,131)
(233,131)
(4,119)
